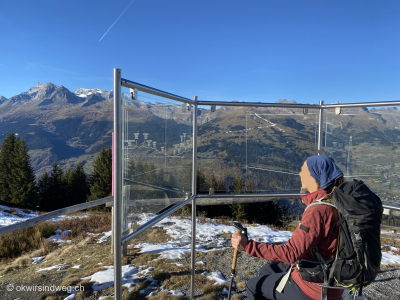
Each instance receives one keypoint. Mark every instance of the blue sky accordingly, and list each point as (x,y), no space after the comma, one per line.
(255,50)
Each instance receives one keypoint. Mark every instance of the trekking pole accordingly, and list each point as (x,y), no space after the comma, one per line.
(240,230)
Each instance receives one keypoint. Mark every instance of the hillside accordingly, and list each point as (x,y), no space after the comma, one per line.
(69,126)
(265,145)
(158,261)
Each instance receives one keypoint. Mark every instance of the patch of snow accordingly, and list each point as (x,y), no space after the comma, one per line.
(6,218)
(218,277)
(58,267)
(59,237)
(37,260)
(176,293)
(105,279)
(72,296)
(77,267)
(390,258)
(105,237)
(207,236)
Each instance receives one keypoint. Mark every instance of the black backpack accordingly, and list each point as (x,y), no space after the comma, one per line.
(358,256)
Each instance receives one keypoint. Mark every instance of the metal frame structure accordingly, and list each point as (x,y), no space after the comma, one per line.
(119,240)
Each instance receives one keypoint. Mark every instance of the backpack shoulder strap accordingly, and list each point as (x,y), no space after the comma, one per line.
(322,202)
(319,202)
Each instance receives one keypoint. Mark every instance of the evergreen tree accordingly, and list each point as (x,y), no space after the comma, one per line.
(212,182)
(6,166)
(43,189)
(76,185)
(213,211)
(102,175)
(54,196)
(131,168)
(150,175)
(23,186)
(185,178)
(17,179)
(239,211)
(139,171)
(201,182)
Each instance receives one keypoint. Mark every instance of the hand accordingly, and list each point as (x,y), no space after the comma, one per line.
(239,241)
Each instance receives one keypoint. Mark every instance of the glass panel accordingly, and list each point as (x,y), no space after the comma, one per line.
(365,143)
(264,147)
(157,154)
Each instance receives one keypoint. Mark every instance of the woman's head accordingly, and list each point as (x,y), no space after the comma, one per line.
(320,172)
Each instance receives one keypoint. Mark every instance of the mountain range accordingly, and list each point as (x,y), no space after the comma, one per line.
(57,124)
(67,127)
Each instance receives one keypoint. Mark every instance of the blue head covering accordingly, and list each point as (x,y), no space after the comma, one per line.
(324,170)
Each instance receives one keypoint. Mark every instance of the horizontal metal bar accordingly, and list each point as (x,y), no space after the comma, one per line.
(153,91)
(153,186)
(53,214)
(258,104)
(157,219)
(148,202)
(362,104)
(391,207)
(253,195)
(228,201)
(298,105)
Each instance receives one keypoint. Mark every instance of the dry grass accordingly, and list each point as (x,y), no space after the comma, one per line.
(14,244)
(164,296)
(211,291)
(31,239)
(241,285)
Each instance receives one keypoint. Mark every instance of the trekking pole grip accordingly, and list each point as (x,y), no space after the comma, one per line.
(235,252)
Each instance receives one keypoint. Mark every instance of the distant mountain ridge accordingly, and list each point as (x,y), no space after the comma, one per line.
(58,124)
(66,126)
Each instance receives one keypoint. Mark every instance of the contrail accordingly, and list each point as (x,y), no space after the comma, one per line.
(116,20)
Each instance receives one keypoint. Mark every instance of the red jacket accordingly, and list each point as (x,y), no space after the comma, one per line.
(315,230)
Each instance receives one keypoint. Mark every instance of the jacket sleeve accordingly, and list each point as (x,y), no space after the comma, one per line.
(306,236)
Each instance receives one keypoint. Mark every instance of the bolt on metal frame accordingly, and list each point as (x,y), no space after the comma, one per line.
(120,240)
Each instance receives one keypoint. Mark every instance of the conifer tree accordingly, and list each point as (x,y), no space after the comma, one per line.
(185,178)
(17,179)
(201,182)
(6,165)
(43,189)
(23,186)
(239,211)
(102,175)
(54,196)
(212,182)
(76,185)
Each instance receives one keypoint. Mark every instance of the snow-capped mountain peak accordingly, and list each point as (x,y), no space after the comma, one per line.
(83,93)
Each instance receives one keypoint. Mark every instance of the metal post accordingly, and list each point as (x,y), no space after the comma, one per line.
(117,186)
(326,129)
(246,148)
(194,192)
(112,229)
(321,112)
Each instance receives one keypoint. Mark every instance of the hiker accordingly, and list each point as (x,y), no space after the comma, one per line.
(281,279)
